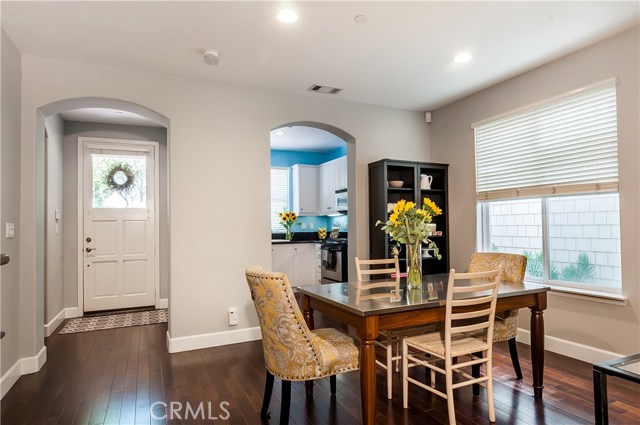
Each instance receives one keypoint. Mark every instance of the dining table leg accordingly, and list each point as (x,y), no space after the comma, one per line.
(537,350)
(368,333)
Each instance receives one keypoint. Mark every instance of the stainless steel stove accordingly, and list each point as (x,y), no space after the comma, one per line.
(334,266)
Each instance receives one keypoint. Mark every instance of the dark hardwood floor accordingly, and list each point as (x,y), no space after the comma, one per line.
(114,376)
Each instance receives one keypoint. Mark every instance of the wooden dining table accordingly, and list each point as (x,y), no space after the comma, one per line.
(407,308)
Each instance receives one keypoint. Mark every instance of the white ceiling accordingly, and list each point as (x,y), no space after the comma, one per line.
(400,57)
(304,139)
(111,116)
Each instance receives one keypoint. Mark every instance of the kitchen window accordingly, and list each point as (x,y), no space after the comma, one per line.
(547,187)
(279,196)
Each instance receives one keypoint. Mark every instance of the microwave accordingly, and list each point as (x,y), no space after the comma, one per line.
(341,200)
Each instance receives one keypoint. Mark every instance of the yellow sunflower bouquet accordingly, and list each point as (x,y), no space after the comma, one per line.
(287,218)
(407,224)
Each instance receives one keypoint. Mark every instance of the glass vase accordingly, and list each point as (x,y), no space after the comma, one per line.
(289,235)
(414,265)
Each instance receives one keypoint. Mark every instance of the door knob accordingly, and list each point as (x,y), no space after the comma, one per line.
(90,249)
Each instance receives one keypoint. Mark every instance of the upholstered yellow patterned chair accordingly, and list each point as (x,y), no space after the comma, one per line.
(292,351)
(513,270)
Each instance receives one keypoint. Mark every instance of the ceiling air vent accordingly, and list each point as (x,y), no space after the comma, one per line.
(324,89)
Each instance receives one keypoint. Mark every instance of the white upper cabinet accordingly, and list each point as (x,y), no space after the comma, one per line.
(314,187)
(332,175)
(305,183)
(342,172)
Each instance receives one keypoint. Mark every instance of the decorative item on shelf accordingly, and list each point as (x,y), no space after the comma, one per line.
(408,225)
(396,183)
(287,219)
(322,233)
(431,228)
(425,182)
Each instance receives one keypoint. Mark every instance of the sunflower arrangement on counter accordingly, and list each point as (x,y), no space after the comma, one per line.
(287,219)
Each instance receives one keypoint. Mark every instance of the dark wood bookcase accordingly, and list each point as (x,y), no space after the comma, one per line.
(380,195)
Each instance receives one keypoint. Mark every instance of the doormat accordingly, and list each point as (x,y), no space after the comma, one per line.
(112,321)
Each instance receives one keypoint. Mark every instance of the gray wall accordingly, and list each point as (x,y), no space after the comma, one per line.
(219,168)
(54,282)
(10,202)
(599,325)
(73,130)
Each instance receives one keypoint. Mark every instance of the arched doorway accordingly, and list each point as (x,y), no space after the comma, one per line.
(328,156)
(58,216)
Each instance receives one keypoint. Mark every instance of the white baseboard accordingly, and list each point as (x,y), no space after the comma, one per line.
(196,342)
(569,348)
(9,378)
(21,367)
(65,313)
(163,303)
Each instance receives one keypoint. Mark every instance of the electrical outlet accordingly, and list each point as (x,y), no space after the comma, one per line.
(233,316)
(303,226)
(312,225)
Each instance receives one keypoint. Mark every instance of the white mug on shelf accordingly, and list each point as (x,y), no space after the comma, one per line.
(425,182)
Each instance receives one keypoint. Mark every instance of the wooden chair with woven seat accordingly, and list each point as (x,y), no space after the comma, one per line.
(388,272)
(292,351)
(470,308)
(513,268)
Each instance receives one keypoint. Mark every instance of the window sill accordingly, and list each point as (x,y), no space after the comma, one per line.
(588,295)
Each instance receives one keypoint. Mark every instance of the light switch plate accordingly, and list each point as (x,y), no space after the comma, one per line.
(10,230)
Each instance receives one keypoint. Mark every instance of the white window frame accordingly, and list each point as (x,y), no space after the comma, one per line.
(544,190)
(483,243)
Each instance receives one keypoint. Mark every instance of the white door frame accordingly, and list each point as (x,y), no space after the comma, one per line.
(108,143)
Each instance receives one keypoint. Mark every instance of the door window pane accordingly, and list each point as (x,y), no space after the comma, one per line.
(584,239)
(119,181)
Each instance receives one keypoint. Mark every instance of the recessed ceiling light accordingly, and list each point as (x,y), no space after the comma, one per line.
(279,132)
(462,58)
(287,16)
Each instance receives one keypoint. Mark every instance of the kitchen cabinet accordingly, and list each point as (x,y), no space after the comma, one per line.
(296,260)
(317,263)
(304,187)
(332,175)
(381,195)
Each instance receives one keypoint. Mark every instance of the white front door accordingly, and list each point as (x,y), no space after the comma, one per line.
(119,225)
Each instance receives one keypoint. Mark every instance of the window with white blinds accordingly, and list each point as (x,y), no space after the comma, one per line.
(279,196)
(567,145)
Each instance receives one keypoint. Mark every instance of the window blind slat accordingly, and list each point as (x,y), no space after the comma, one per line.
(572,141)
(279,196)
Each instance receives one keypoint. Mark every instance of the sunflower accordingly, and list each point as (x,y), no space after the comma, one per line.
(431,206)
(407,223)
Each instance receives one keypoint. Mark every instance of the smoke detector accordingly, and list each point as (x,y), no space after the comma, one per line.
(211,56)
